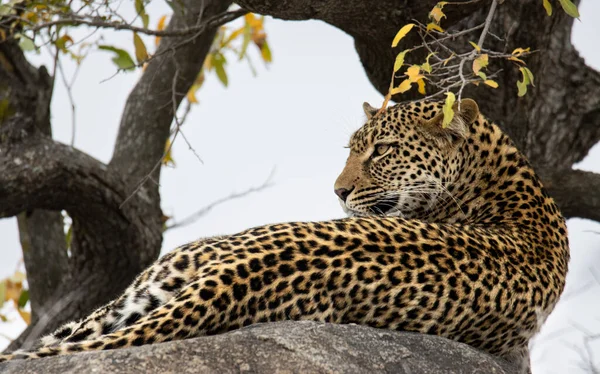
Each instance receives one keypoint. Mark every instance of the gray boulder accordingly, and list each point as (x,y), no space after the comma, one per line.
(283,347)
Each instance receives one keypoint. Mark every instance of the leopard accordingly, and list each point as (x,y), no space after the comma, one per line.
(449,232)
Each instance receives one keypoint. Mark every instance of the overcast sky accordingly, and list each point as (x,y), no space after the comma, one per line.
(295,118)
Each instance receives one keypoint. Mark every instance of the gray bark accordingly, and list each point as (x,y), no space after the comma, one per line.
(111,242)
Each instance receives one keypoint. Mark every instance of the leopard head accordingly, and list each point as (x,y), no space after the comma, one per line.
(403,158)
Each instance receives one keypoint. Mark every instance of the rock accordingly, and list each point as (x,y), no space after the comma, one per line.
(283,347)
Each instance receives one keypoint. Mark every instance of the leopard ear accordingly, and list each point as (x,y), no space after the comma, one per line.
(369,110)
(465,114)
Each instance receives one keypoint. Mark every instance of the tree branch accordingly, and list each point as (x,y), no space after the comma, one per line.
(211,23)
(577,192)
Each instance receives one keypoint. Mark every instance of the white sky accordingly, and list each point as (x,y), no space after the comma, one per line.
(295,117)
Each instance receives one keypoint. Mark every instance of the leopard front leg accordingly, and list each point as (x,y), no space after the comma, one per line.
(151,289)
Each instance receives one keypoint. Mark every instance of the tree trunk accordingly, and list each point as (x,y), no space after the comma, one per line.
(117,223)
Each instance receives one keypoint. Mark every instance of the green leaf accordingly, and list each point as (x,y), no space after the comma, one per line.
(219,65)
(23,298)
(399,60)
(26,44)
(246,42)
(569,8)
(447,109)
(69,236)
(122,58)
(141,10)
(548,7)
(2,292)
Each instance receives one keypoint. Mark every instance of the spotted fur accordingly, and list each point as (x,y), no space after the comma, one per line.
(450,233)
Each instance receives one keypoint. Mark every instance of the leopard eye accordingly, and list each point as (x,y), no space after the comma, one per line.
(381,149)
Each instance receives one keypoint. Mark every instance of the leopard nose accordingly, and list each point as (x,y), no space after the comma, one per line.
(343,193)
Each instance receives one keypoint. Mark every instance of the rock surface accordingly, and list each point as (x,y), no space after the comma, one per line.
(284,347)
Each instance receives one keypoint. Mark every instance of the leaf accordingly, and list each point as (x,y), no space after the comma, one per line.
(569,8)
(2,292)
(141,54)
(477,47)
(482,75)
(26,44)
(513,58)
(421,86)
(160,26)
(402,33)
(122,58)
(413,73)
(480,63)
(168,158)
(140,9)
(265,52)
(403,87)
(529,75)
(69,236)
(219,65)
(491,83)
(436,13)
(23,299)
(246,41)
(433,26)
(426,67)
(522,85)
(61,43)
(233,36)
(548,7)
(519,51)
(447,109)
(399,60)
(25,315)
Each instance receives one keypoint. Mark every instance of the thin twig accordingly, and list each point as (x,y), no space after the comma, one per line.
(236,195)
(213,21)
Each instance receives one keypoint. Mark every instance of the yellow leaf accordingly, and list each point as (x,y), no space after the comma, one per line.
(491,83)
(421,85)
(168,159)
(436,14)
(413,73)
(447,109)
(548,7)
(569,8)
(433,26)
(403,87)
(402,33)
(161,26)
(480,63)
(255,23)
(191,97)
(478,48)
(399,60)
(233,35)
(141,54)
(482,75)
(449,58)
(519,51)
(25,315)
(513,58)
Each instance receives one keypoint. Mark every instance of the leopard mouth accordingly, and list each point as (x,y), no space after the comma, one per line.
(385,206)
